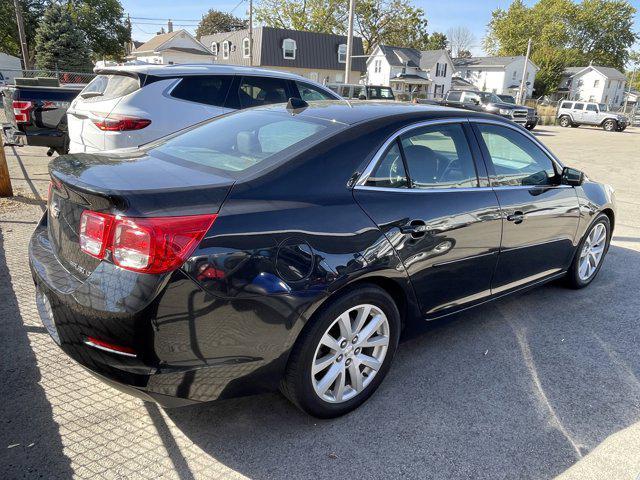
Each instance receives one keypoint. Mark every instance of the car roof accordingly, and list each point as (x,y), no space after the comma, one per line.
(195,69)
(351,112)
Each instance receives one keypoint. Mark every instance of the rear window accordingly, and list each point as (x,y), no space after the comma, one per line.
(380,93)
(210,90)
(107,87)
(237,142)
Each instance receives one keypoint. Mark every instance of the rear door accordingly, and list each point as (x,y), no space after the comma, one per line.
(428,193)
(576,112)
(540,216)
(97,100)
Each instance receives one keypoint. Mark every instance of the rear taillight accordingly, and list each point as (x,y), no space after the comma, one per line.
(118,123)
(149,245)
(22,111)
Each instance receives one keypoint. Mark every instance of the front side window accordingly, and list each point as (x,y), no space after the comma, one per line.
(237,142)
(309,93)
(390,172)
(516,159)
(245,48)
(225,50)
(356,91)
(592,108)
(255,91)
(289,49)
(439,157)
(342,53)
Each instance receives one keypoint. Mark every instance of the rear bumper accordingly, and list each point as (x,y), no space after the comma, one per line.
(186,348)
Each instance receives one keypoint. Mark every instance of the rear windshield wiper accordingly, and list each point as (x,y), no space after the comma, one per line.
(91,94)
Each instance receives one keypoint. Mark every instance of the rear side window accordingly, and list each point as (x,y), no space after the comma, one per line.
(390,172)
(210,90)
(380,93)
(357,91)
(439,157)
(566,105)
(237,142)
(578,106)
(309,93)
(107,87)
(256,91)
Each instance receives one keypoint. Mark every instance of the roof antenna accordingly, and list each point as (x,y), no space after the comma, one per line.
(296,105)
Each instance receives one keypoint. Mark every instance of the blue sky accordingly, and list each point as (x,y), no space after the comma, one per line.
(442,15)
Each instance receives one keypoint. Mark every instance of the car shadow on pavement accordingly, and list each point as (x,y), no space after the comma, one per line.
(30,443)
(523,387)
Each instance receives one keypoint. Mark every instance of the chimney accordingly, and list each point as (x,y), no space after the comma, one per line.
(169,26)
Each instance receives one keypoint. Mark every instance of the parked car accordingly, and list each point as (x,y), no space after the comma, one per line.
(128,106)
(36,115)
(287,245)
(574,114)
(490,103)
(362,92)
(532,113)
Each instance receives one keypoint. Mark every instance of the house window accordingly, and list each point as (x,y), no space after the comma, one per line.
(592,98)
(513,77)
(289,49)
(606,98)
(617,100)
(608,85)
(467,74)
(339,77)
(225,49)
(377,66)
(342,53)
(245,48)
(214,49)
(596,83)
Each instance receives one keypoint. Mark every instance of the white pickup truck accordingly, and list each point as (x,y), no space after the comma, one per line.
(574,114)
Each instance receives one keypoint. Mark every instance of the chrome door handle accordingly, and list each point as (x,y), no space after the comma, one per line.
(415,228)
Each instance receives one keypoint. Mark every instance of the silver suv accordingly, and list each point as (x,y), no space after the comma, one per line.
(574,114)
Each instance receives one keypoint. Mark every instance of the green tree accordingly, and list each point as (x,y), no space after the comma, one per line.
(564,34)
(60,44)
(215,21)
(102,21)
(32,11)
(392,22)
(436,41)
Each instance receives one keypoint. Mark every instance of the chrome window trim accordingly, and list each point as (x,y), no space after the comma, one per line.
(364,176)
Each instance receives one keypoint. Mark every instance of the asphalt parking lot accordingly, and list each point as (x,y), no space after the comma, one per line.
(542,385)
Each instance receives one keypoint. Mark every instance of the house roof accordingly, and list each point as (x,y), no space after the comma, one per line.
(478,62)
(411,57)
(194,51)
(159,40)
(609,72)
(313,50)
(459,83)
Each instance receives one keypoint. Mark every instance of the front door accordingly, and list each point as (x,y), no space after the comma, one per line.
(540,216)
(590,114)
(445,226)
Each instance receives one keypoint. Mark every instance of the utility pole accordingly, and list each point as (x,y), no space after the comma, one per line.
(347,67)
(626,98)
(26,63)
(521,94)
(251,33)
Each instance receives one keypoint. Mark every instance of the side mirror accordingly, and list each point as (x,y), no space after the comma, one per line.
(573,177)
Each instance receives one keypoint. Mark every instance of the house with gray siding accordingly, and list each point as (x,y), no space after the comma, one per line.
(318,56)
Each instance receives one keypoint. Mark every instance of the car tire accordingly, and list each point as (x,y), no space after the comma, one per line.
(577,277)
(565,121)
(312,363)
(610,125)
(529,126)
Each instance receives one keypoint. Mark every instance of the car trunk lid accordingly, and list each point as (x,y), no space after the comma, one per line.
(132,184)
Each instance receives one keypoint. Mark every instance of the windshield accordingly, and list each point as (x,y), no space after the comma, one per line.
(489,97)
(239,141)
(603,107)
(508,99)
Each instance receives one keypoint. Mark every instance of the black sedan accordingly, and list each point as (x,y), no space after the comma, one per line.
(286,246)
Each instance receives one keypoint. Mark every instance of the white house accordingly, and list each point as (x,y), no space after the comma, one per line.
(593,84)
(172,48)
(410,71)
(10,67)
(501,75)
